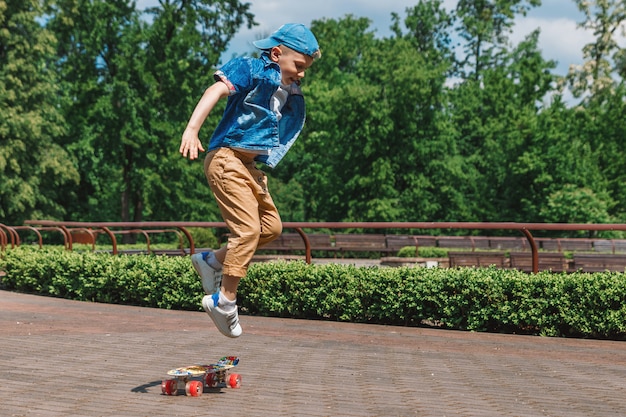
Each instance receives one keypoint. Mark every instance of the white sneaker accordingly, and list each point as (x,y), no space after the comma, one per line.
(211,278)
(227,322)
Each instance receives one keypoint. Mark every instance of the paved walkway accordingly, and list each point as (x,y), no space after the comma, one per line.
(67,358)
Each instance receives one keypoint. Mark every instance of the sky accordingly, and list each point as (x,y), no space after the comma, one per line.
(560,39)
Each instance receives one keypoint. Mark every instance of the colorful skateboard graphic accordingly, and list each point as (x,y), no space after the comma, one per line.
(195,378)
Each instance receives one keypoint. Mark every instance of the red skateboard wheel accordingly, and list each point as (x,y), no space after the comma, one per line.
(169,387)
(234,381)
(194,388)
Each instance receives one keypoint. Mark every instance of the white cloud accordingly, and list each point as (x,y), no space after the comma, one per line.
(560,39)
(272,14)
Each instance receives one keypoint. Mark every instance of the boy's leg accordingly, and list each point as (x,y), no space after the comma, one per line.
(241,194)
(209,270)
(271,224)
(247,208)
(271,227)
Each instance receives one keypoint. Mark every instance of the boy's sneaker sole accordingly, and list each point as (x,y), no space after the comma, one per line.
(211,278)
(226,323)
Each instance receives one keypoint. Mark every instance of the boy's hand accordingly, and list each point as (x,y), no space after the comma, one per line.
(190,144)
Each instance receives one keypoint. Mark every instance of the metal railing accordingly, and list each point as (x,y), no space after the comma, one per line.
(525,228)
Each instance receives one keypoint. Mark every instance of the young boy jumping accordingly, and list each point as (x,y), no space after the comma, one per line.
(263,117)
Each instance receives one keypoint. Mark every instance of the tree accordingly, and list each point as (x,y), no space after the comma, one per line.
(604,57)
(316,164)
(33,168)
(132,84)
(573,204)
(485,26)
(600,125)
(600,82)
(371,141)
(558,174)
(184,44)
(428,25)
(496,123)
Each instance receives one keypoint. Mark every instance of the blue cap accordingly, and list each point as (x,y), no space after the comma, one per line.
(295,36)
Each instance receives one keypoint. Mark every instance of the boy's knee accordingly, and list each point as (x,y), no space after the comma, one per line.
(276,230)
(271,233)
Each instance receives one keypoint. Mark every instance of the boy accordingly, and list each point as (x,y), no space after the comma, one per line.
(263,117)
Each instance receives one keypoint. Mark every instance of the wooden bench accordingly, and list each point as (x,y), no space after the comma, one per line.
(427,241)
(456,242)
(362,242)
(463,242)
(596,262)
(482,259)
(565,244)
(321,242)
(547,244)
(290,246)
(292,242)
(396,242)
(509,243)
(548,261)
(610,245)
(576,244)
(285,242)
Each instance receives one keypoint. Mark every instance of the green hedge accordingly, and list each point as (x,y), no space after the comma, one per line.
(487,299)
(153,281)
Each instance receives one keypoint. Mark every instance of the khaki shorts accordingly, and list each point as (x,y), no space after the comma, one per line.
(240,189)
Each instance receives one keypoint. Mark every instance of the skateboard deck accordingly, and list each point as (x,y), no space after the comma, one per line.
(194,379)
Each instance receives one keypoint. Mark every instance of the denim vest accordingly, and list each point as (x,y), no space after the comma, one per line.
(248,121)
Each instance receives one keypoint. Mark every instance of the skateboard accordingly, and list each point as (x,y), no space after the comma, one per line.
(193,379)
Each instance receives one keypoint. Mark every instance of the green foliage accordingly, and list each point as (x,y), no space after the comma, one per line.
(428,25)
(432,252)
(478,299)
(475,299)
(33,167)
(576,205)
(423,252)
(204,237)
(407,252)
(603,18)
(485,26)
(374,114)
(95,95)
(155,281)
(132,80)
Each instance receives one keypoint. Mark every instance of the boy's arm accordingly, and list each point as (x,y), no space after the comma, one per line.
(190,143)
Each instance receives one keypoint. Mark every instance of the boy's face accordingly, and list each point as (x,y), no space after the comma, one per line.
(292,64)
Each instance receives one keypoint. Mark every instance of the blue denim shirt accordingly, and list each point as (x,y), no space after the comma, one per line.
(248,121)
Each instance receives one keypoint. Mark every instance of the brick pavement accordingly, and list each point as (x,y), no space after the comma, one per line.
(67,358)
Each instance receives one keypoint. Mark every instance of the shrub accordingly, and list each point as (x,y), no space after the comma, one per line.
(142,280)
(204,237)
(477,299)
(423,252)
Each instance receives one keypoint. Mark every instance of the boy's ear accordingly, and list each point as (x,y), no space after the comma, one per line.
(275,53)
